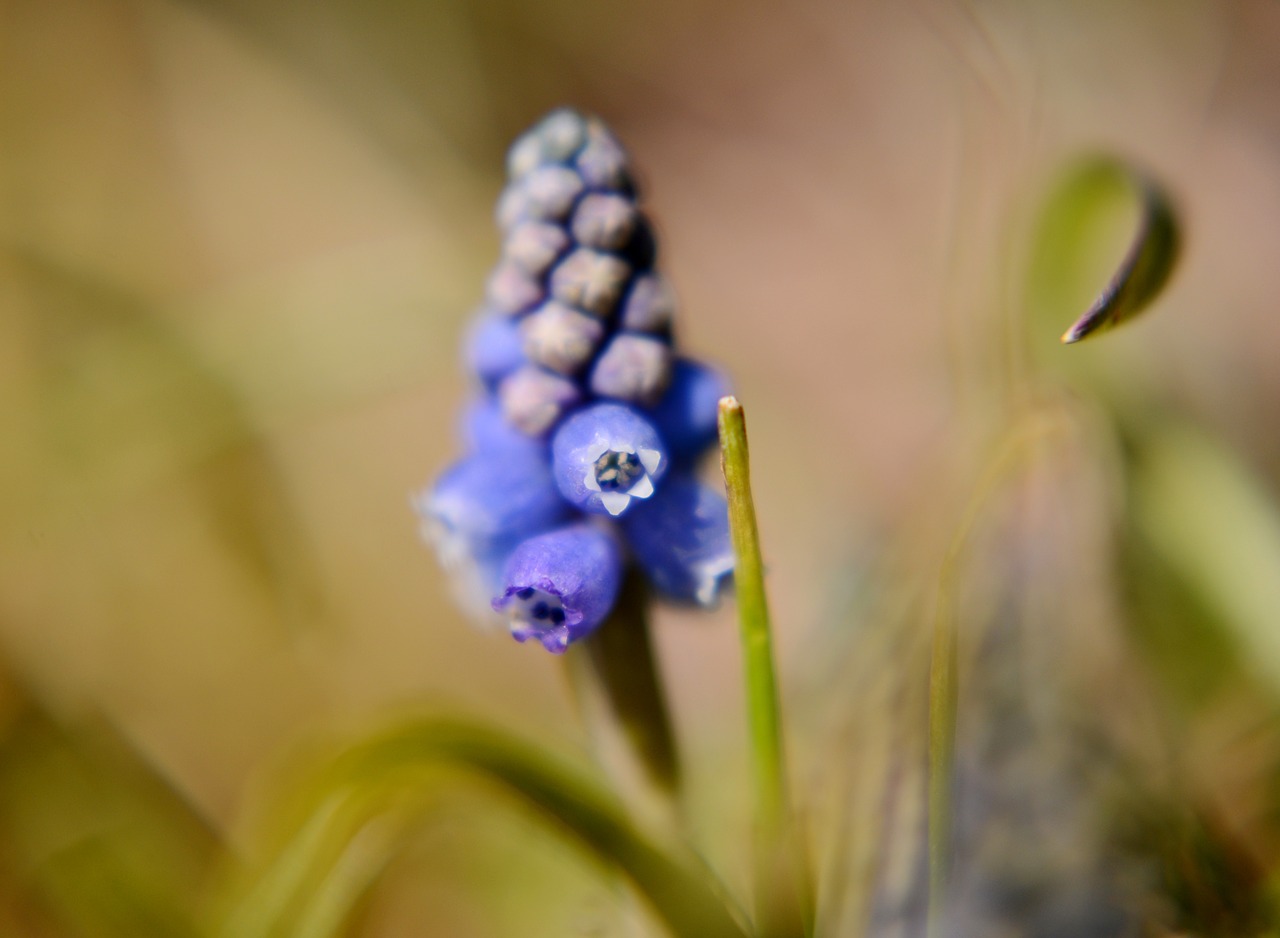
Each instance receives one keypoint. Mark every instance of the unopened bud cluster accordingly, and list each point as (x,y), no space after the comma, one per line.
(582,442)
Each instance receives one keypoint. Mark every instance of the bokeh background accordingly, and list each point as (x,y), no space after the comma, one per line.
(238,244)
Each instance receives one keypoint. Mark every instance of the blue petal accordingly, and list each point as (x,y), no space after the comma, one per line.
(483,429)
(680,538)
(559,586)
(482,507)
(493,347)
(607,457)
(686,415)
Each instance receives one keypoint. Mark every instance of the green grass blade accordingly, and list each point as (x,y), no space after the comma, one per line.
(784,907)
(374,776)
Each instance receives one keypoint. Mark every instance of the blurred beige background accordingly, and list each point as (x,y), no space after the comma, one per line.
(238,241)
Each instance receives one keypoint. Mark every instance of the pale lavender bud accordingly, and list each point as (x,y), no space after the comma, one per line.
(511,290)
(634,368)
(561,338)
(533,399)
(604,221)
(547,193)
(534,246)
(602,162)
(591,281)
(554,139)
(650,305)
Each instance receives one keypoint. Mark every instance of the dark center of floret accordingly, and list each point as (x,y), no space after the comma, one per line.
(618,471)
(532,608)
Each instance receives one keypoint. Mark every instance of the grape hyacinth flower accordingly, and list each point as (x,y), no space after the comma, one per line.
(587,426)
(561,585)
(605,456)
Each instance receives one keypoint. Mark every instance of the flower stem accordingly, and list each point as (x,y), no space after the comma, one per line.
(615,679)
(784,909)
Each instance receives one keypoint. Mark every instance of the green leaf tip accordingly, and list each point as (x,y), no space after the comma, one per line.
(1153,249)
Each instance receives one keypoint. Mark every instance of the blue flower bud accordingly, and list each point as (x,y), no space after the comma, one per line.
(554,139)
(547,193)
(591,281)
(533,399)
(606,457)
(634,368)
(511,290)
(482,429)
(686,415)
(561,585)
(534,246)
(649,307)
(493,347)
(602,162)
(605,221)
(561,338)
(680,538)
(482,507)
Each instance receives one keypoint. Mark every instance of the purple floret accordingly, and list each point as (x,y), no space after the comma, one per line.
(686,415)
(680,538)
(482,507)
(483,429)
(606,457)
(558,587)
(493,347)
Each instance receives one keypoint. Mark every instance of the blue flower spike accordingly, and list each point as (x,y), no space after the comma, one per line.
(606,457)
(586,423)
(681,540)
(560,586)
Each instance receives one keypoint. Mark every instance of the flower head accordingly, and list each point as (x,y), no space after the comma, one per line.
(584,406)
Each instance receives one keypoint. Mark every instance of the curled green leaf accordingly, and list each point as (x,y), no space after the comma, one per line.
(1097,201)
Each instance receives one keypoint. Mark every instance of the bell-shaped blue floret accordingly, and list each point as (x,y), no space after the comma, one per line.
(483,429)
(680,538)
(493,347)
(686,415)
(606,457)
(558,587)
(485,505)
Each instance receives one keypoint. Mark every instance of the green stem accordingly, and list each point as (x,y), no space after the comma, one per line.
(783,906)
(618,687)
